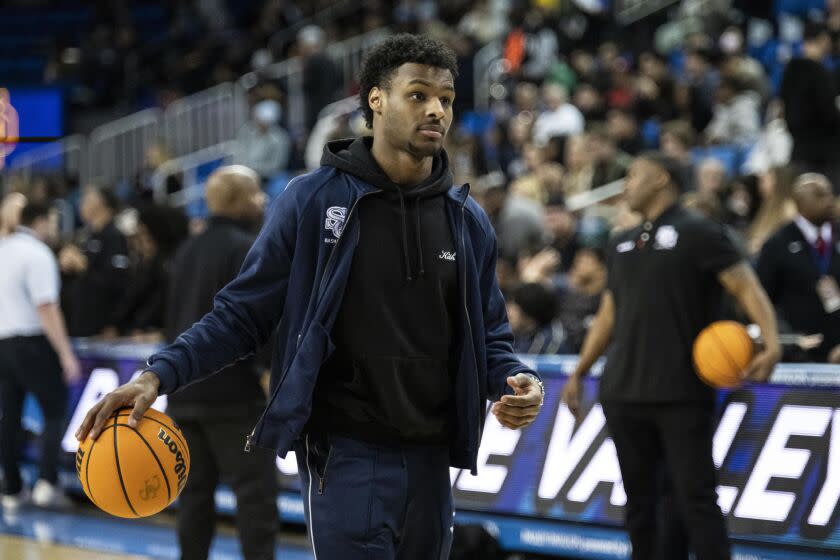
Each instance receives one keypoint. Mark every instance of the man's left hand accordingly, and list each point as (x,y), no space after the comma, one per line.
(519,410)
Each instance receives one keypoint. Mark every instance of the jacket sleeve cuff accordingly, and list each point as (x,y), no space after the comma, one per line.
(166,374)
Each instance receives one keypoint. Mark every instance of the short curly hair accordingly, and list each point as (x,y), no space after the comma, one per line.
(381,63)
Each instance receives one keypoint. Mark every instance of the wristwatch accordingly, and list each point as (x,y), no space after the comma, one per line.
(539,382)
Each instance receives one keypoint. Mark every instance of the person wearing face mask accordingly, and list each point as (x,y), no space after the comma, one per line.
(262,144)
(214,413)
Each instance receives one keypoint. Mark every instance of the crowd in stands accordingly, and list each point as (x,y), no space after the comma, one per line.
(743,97)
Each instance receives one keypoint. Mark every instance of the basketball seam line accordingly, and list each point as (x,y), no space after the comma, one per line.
(162,472)
(174,433)
(87,474)
(724,350)
(119,472)
(180,439)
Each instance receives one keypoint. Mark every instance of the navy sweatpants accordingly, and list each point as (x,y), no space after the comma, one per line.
(370,502)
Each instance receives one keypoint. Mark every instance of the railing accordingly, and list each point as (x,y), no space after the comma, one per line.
(204,119)
(188,167)
(350,53)
(116,150)
(67,154)
(347,54)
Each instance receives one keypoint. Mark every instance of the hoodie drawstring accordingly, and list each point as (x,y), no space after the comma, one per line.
(419,243)
(405,237)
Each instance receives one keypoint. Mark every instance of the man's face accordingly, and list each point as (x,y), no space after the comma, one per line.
(91,204)
(816,202)
(644,179)
(415,109)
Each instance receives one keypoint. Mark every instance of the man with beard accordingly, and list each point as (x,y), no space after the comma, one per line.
(392,334)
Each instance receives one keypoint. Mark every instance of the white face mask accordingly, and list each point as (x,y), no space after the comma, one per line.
(267,112)
(731,42)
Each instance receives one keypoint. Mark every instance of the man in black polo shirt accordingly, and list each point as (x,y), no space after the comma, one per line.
(665,282)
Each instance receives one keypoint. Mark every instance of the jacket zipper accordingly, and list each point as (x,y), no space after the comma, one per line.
(469,324)
(324,278)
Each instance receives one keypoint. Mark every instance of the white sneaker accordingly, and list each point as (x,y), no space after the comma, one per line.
(14,501)
(45,494)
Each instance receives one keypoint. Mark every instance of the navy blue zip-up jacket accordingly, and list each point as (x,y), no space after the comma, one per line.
(293,279)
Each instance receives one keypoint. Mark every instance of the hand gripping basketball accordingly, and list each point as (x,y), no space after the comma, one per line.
(139,393)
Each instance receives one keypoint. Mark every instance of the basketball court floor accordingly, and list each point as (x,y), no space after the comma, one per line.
(37,534)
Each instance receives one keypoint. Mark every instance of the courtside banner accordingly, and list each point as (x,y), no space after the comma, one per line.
(777,447)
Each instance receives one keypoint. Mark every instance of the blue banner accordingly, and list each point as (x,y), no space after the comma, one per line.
(777,447)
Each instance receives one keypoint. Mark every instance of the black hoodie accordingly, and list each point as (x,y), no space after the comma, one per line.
(390,378)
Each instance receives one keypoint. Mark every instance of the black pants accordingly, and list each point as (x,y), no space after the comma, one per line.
(216,451)
(30,365)
(678,438)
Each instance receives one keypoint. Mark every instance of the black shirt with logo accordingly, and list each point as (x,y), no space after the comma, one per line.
(663,276)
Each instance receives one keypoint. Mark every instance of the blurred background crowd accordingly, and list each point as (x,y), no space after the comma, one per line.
(742,92)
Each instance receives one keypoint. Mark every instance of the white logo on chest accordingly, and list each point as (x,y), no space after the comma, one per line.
(447,256)
(334,221)
(625,247)
(666,238)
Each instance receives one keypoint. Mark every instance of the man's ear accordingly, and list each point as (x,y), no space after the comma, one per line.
(376,99)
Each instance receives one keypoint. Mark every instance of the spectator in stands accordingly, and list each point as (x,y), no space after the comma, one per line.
(589,100)
(10,209)
(711,176)
(562,229)
(610,163)
(321,77)
(701,82)
(142,310)
(560,117)
(532,312)
(579,294)
(580,167)
(777,206)
(262,144)
(809,94)
(737,65)
(774,145)
(676,140)
(654,89)
(623,128)
(95,267)
(35,355)
(741,202)
(735,117)
(516,220)
(799,267)
(214,413)
(156,155)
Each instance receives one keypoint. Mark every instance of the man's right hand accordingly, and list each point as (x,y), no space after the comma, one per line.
(139,393)
(572,393)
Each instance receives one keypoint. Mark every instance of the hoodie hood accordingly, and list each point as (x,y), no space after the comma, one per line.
(353,157)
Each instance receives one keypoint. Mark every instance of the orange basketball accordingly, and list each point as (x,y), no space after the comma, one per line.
(722,351)
(131,472)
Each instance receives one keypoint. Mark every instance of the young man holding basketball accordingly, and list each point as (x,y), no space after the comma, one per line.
(665,283)
(379,276)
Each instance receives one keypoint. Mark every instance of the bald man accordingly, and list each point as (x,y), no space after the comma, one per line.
(799,267)
(214,413)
